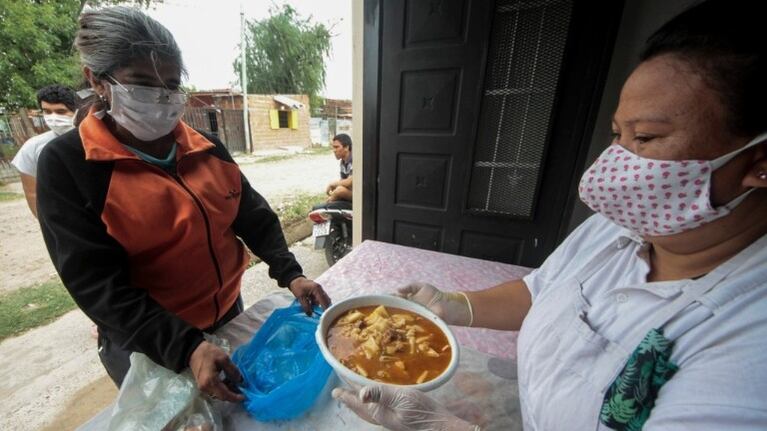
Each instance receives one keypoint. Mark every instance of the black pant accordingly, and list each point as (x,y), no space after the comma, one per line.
(116,360)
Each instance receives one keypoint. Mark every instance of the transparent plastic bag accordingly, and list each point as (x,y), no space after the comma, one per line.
(153,397)
(282,367)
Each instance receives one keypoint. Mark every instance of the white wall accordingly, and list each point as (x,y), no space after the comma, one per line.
(358,24)
(319,129)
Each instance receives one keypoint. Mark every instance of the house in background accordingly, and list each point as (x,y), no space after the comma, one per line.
(218,112)
(274,120)
(279,120)
(474,119)
(330,119)
(223,98)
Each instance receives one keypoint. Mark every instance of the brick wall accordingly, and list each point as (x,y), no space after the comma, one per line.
(264,136)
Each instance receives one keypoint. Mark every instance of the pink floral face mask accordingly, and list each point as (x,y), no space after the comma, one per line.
(655,197)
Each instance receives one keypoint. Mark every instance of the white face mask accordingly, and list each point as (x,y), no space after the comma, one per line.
(58,123)
(655,197)
(149,113)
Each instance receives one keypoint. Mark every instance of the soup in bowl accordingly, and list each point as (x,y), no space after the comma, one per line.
(379,339)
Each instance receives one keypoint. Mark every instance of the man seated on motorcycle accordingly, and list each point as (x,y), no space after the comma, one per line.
(341,189)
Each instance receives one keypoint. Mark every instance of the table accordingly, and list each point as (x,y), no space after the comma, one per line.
(376,267)
(484,388)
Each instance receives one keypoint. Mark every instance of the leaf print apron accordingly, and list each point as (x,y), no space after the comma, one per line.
(566,367)
(631,397)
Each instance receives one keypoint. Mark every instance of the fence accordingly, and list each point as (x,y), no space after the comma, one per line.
(226,124)
(8,173)
(15,131)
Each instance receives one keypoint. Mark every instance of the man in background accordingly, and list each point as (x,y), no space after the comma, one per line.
(58,105)
(341,189)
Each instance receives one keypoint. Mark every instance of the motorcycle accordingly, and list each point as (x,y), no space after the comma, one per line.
(332,229)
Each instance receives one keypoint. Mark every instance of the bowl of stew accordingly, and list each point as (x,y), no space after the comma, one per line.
(382,339)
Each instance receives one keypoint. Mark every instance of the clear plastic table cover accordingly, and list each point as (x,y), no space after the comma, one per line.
(484,388)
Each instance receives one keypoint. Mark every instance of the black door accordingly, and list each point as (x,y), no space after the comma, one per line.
(483,110)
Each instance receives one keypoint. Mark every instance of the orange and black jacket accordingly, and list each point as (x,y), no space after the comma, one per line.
(153,257)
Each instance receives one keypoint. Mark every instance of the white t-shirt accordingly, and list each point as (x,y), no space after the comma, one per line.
(722,379)
(26,159)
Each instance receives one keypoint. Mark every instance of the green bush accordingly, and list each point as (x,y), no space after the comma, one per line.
(297,208)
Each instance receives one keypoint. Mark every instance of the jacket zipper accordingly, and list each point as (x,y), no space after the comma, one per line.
(197,201)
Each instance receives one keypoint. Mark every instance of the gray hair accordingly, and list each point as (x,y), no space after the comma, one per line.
(115,37)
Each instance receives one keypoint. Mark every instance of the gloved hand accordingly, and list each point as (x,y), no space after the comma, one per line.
(453,307)
(401,409)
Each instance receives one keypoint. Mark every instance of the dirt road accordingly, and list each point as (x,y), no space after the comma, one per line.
(51,377)
(24,259)
(301,174)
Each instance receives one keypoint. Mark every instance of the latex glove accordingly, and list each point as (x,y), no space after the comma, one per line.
(453,307)
(401,409)
(309,294)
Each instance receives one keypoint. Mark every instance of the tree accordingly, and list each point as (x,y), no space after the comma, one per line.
(95,3)
(286,54)
(36,46)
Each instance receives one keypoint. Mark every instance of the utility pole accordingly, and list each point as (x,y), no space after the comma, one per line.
(244,81)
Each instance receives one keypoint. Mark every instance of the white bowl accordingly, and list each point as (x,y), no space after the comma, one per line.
(354,379)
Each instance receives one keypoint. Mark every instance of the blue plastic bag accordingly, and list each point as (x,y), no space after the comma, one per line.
(282,367)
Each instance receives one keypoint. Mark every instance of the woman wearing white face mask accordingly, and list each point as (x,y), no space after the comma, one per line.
(145,217)
(58,105)
(652,314)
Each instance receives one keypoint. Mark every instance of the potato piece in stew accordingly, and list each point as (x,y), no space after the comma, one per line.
(389,345)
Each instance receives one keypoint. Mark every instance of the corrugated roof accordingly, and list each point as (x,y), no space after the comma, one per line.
(287,101)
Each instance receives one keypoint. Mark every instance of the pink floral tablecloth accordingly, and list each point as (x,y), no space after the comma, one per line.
(484,388)
(378,267)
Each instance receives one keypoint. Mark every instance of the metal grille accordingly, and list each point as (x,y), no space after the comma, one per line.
(524,61)
(198,118)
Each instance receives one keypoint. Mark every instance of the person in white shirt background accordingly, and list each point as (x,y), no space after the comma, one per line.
(58,105)
(653,313)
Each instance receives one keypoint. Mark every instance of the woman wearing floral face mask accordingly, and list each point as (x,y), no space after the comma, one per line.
(652,314)
(144,217)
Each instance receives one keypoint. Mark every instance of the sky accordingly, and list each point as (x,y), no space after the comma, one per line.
(208,32)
